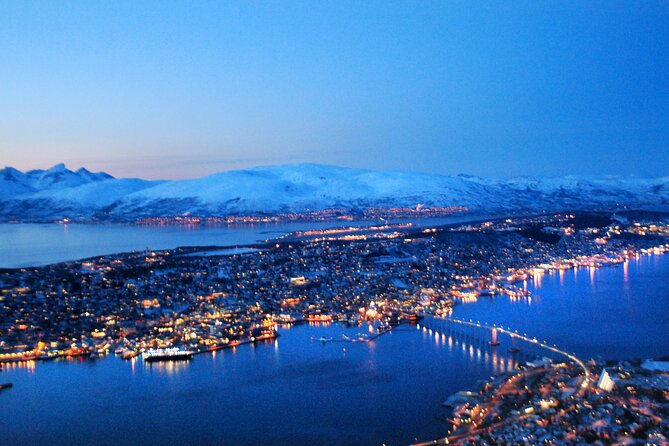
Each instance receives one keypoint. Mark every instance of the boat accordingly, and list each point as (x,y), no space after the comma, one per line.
(48,356)
(167,354)
(6,386)
(129,354)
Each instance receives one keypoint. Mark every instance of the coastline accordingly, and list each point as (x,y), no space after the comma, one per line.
(203,323)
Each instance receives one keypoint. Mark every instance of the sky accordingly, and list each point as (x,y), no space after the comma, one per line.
(183,89)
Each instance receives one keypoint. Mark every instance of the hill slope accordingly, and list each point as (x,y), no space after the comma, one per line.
(58,193)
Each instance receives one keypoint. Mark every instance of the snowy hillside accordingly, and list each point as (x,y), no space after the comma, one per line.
(61,193)
(58,177)
(55,193)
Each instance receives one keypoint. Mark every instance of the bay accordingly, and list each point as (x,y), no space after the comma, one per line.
(30,244)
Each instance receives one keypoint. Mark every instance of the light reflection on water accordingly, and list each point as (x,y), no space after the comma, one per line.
(170,367)
(592,276)
(388,390)
(626,271)
(41,244)
(612,312)
(29,366)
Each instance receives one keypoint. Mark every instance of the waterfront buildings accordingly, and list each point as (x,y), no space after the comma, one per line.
(200,301)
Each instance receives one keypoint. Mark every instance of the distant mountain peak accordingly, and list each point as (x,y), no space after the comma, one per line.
(57,177)
(60,167)
(10,174)
(47,195)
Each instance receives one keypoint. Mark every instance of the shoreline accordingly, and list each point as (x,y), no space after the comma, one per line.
(215,294)
(281,240)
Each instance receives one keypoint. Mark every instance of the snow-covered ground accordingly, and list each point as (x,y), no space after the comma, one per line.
(59,192)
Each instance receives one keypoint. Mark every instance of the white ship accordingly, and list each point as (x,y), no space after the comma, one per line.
(167,354)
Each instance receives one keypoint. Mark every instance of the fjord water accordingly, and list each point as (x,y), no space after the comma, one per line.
(295,390)
(618,312)
(23,245)
(29,244)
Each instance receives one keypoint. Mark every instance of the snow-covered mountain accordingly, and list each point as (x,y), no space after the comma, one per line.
(58,177)
(43,195)
(56,193)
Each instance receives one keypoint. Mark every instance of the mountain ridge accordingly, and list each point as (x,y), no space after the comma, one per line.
(58,193)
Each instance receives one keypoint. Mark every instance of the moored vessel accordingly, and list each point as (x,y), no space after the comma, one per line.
(167,354)
(129,354)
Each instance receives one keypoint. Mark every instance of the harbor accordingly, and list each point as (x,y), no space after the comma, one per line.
(356,349)
(292,378)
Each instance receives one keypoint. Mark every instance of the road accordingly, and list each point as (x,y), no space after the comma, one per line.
(587,375)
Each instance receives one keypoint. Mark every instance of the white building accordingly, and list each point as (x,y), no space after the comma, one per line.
(605,382)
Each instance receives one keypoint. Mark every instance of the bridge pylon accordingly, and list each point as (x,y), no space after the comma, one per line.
(494,342)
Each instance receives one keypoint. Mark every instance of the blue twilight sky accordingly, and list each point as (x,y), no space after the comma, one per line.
(181,89)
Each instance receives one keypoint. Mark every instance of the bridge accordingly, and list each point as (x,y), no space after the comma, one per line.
(441,323)
(437,323)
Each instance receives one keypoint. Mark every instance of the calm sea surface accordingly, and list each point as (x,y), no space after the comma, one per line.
(612,312)
(41,244)
(295,390)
